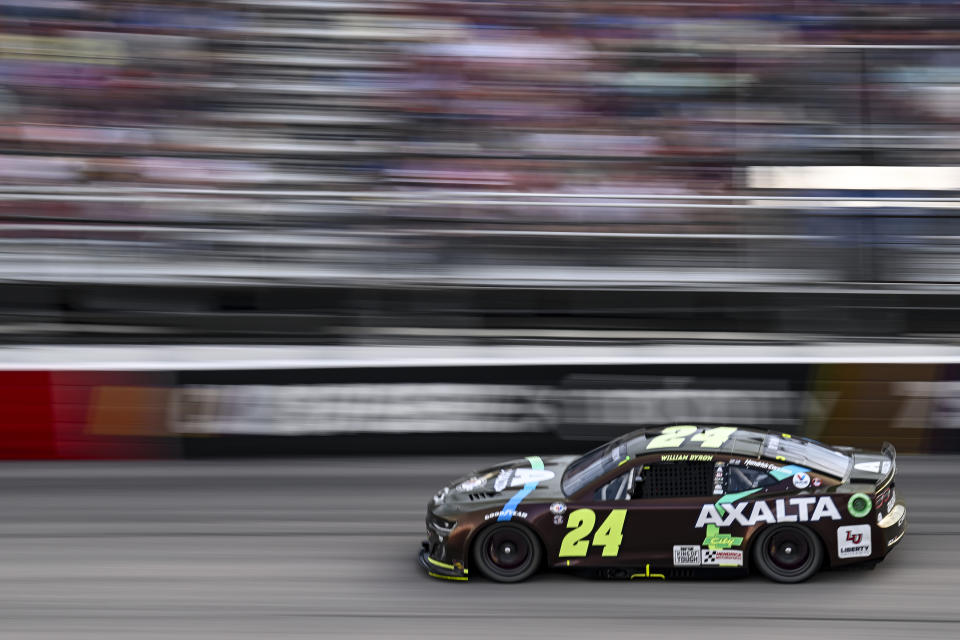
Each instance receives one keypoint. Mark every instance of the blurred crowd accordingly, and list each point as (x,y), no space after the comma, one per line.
(576,97)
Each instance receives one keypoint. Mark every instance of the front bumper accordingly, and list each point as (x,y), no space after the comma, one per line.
(438,569)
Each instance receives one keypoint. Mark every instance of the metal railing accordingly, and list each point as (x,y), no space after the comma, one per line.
(474,235)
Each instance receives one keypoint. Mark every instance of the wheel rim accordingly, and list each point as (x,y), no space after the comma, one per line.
(788,550)
(508,550)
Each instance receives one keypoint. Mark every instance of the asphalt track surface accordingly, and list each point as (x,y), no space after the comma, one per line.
(326,548)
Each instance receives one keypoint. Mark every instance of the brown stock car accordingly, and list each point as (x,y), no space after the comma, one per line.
(671,502)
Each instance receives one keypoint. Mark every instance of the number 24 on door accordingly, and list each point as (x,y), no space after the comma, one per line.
(608,535)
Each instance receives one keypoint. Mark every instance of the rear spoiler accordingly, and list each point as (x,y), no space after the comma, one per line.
(888,467)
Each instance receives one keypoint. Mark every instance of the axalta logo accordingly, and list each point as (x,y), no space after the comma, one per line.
(792,510)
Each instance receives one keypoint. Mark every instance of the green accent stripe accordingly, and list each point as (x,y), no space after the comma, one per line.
(437,575)
(441,564)
(535,463)
(733,497)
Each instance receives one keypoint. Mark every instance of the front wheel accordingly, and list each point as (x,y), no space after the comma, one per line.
(787,553)
(507,553)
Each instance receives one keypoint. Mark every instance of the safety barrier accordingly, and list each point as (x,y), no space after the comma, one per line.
(438,403)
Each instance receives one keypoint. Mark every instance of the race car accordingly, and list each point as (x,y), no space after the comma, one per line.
(675,501)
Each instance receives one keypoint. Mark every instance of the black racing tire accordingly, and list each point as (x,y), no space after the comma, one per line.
(506,552)
(787,553)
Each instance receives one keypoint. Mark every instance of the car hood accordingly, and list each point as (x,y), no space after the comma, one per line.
(540,474)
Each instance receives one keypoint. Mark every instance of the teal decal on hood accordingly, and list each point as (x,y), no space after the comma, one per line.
(532,480)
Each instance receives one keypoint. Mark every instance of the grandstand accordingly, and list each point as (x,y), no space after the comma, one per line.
(338,171)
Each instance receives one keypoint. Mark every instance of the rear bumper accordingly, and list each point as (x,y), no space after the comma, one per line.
(893,526)
(438,569)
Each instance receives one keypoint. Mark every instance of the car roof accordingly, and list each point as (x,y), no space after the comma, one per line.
(743,441)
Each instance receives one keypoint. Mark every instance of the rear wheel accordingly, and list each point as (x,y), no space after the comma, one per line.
(507,553)
(787,553)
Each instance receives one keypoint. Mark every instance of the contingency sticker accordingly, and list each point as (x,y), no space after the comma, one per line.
(686,555)
(717,540)
(722,557)
(854,542)
(801,480)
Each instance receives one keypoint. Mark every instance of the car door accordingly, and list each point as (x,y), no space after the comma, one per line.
(639,514)
(594,521)
(666,498)
(666,524)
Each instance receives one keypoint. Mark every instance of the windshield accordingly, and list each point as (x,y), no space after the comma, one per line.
(591,466)
(808,453)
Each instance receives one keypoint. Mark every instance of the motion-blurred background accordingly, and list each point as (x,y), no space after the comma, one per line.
(456,229)
(568,185)
(335,171)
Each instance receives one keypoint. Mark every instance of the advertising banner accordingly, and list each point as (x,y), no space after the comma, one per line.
(102,415)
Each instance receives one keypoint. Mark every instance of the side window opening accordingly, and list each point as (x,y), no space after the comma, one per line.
(675,480)
(745,478)
(620,488)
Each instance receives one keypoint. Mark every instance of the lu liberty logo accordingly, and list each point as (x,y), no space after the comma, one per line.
(854,541)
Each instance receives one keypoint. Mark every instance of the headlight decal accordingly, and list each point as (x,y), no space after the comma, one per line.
(442,525)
